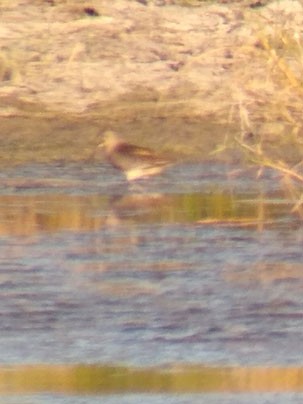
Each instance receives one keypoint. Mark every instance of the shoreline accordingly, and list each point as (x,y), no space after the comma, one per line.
(181,78)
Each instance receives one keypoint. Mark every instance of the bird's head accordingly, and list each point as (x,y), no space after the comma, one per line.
(110,141)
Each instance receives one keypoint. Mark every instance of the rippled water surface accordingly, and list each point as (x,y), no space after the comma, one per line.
(202,265)
(159,399)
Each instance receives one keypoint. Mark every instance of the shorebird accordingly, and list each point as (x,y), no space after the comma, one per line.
(134,161)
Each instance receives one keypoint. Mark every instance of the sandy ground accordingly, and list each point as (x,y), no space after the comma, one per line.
(60,57)
(179,68)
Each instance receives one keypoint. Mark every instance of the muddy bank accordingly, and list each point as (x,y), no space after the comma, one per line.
(181,77)
(74,137)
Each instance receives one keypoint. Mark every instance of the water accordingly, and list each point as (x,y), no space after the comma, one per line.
(202,265)
(159,399)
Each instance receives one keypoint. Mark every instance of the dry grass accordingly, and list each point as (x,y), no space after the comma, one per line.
(268,101)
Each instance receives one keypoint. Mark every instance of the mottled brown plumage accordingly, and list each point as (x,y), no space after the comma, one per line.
(136,162)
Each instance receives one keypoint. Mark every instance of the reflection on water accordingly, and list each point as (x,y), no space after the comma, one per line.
(33,214)
(174,379)
(169,271)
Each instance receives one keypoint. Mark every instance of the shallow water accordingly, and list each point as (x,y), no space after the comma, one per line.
(202,265)
(228,398)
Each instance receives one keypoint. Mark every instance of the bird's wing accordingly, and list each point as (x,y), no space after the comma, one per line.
(138,153)
(131,149)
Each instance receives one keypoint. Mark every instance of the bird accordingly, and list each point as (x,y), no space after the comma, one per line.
(134,161)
